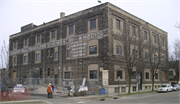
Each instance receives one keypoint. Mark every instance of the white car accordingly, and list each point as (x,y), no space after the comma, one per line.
(165,88)
(176,87)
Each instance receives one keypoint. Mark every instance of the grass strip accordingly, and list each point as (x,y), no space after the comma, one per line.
(121,95)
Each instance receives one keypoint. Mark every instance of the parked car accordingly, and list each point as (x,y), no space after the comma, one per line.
(176,87)
(165,88)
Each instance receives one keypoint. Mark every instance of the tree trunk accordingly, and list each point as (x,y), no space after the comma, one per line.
(129,89)
(153,82)
(177,79)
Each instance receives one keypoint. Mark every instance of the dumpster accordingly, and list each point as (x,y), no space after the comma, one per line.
(102,91)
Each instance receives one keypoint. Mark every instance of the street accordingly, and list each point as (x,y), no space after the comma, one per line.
(158,98)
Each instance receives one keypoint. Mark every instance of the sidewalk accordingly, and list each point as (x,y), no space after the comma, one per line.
(5,102)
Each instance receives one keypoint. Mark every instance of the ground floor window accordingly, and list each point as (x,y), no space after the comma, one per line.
(93,74)
(134,88)
(116,90)
(123,89)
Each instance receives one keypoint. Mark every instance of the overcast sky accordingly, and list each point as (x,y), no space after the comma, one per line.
(16,13)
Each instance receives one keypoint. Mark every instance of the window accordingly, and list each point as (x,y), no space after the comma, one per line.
(68,53)
(66,68)
(133,75)
(134,53)
(50,52)
(133,30)
(162,42)
(67,75)
(145,35)
(154,38)
(156,76)
(71,29)
(26,42)
(119,73)
(163,59)
(147,75)
(25,58)
(53,34)
(93,24)
(116,89)
(15,45)
(48,74)
(146,55)
(117,24)
(123,89)
(134,88)
(164,75)
(41,71)
(38,57)
(15,60)
(93,74)
(38,39)
(155,57)
(92,50)
(118,50)
(56,55)
(170,73)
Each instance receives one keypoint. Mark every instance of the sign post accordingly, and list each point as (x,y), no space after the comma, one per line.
(138,81)
(118,84)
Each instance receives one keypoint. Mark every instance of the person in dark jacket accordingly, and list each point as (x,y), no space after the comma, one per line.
(52,90)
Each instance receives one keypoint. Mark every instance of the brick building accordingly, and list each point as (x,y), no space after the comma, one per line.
(82,45)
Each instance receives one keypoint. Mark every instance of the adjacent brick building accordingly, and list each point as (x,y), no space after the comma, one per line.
(82,45)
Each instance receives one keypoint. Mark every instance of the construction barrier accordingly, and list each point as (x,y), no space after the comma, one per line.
(11,95)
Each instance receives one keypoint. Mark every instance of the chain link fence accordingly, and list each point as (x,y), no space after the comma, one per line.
(64,86)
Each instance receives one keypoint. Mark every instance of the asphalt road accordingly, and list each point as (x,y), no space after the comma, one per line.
(151,98)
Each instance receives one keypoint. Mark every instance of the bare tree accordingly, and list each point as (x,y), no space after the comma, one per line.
(156,58)
(4,59)
(132,45)
(174,63)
